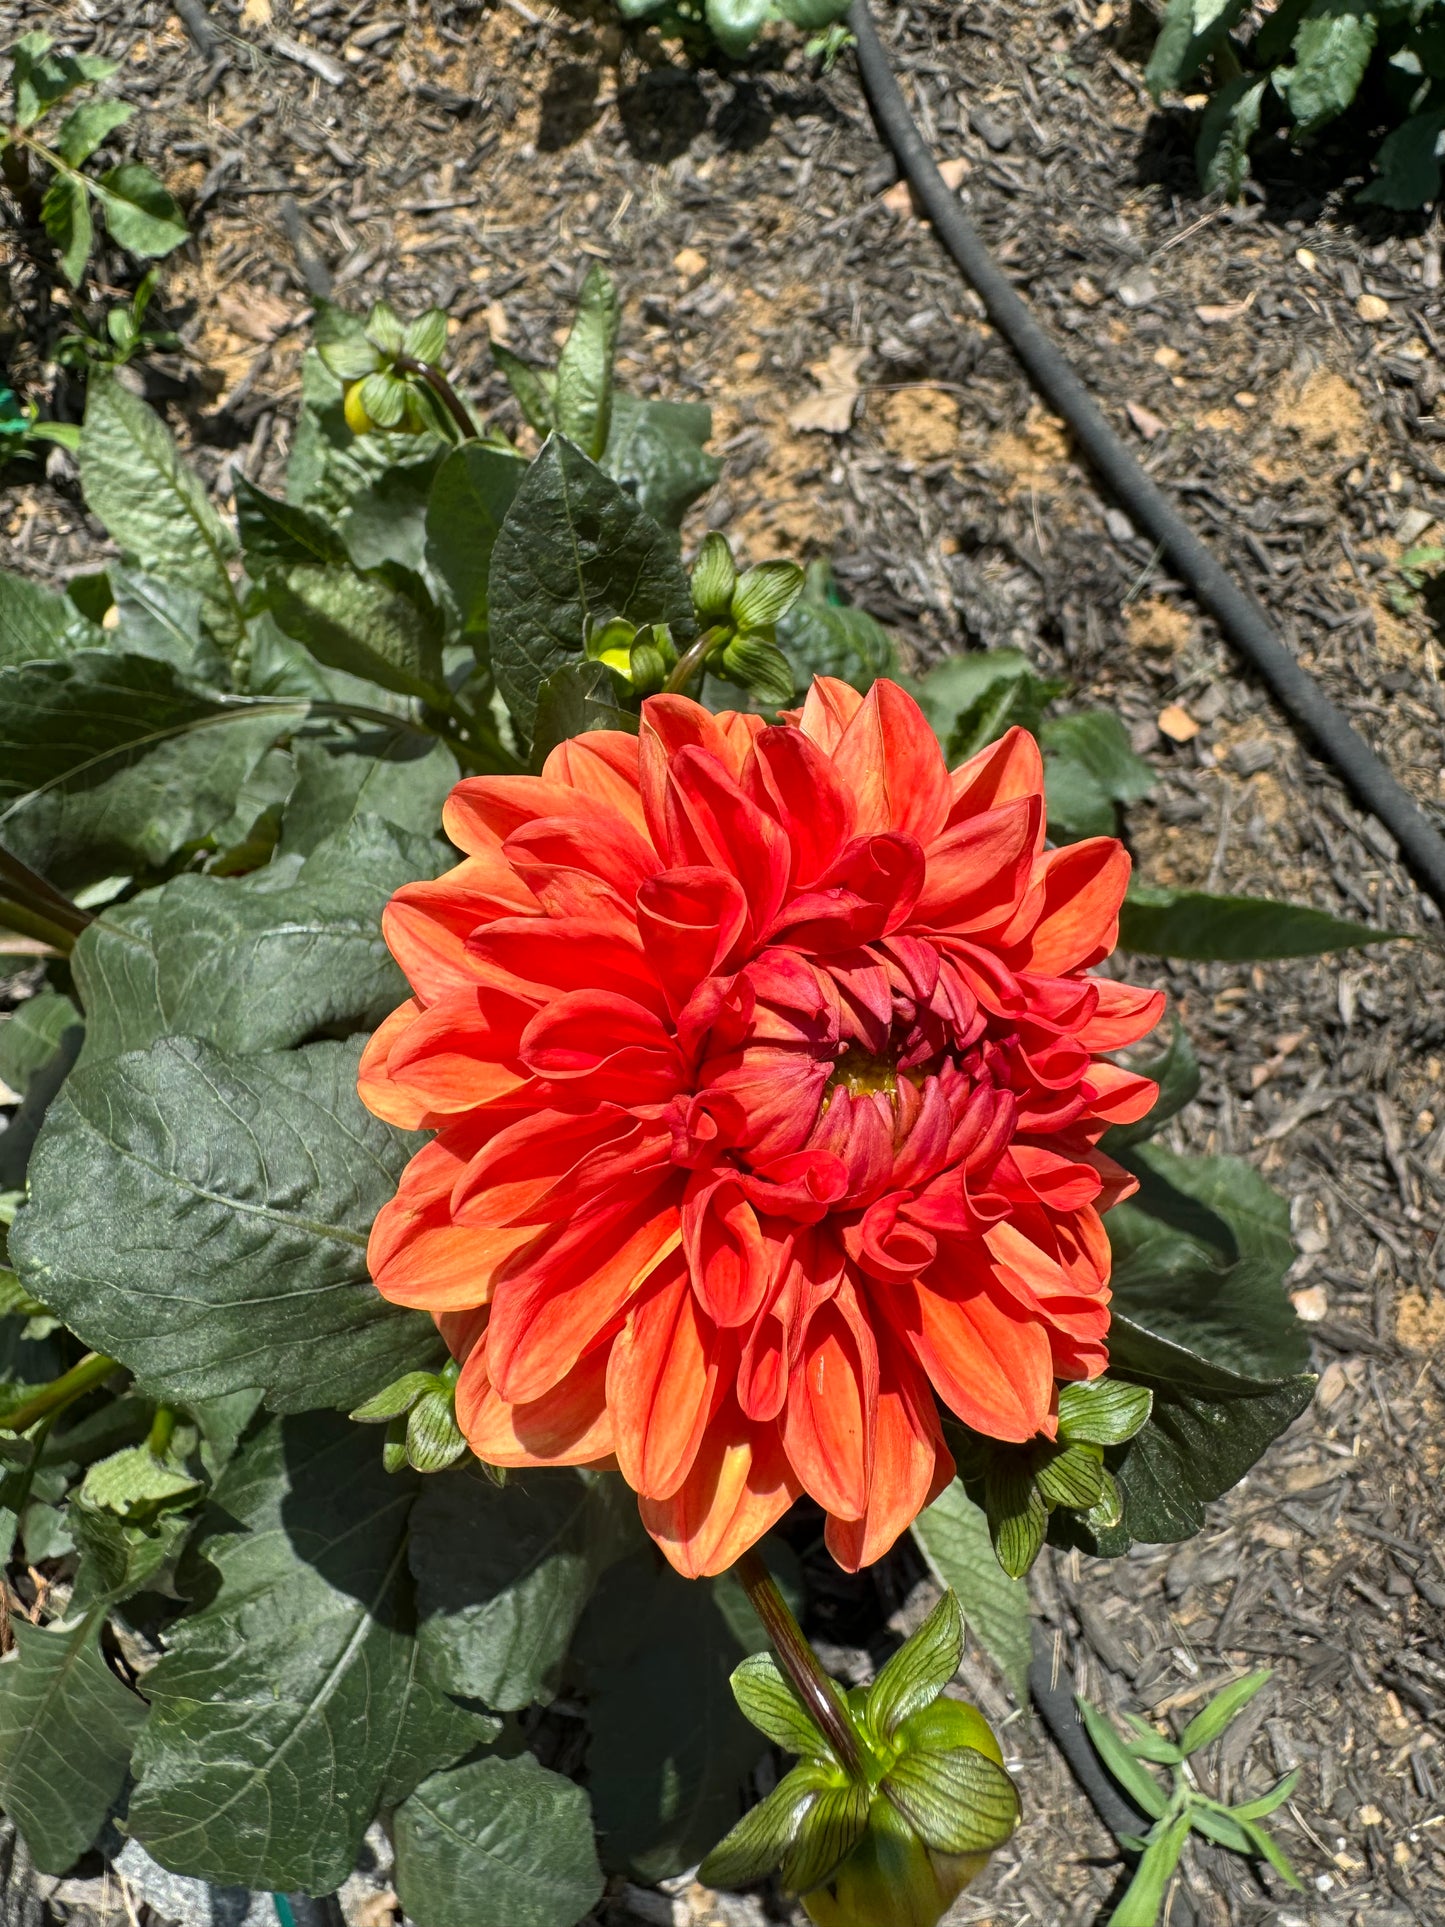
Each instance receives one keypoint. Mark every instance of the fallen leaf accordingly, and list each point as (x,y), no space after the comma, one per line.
(257,315)
(1177,724)
(1213,314)
(256,13)
(830,411)
(899,198)
(1370,307)
(689,263)
(1148,425)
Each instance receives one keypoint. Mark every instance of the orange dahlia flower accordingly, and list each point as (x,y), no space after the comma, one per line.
(765,1073)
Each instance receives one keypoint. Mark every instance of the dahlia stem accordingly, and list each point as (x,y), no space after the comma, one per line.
(688,665)
(450,400)
(53,1398)
(802,1665)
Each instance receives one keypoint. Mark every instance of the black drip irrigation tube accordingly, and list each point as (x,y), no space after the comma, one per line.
(1241,619)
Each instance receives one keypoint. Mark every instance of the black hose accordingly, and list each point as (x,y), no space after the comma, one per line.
(1241,619)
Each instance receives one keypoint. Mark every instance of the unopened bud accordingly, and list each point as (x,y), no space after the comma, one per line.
(714,575)
(761,668)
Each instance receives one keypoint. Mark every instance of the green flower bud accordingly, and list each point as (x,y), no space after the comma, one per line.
(764,594)
(647,668)
(760,667)
(611,642)
(384,329)
(714,576)
(891,1879)
(425,339)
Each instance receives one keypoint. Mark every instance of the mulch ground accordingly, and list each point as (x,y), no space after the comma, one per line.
(1277,365)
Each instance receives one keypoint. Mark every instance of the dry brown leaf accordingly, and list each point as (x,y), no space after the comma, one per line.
(899,198)
(830,411)
(1177,724)
(257,315)
(1212,314)
(1148,424)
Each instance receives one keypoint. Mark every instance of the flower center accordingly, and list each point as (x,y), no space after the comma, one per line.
(863,1075)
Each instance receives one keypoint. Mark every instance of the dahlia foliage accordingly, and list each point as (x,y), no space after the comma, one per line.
(766,1073)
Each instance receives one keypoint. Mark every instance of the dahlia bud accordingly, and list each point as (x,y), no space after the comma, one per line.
(760,667)
(611,642)
(891,1836)
(766,594)
(714,576)
(646,667)
(419,1414)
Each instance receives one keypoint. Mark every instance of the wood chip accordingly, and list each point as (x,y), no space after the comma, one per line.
(830,411)
(1147,423)
(1214,314)
(689,263)
(1371,308)
(311,58)
(900,197)
(1177,724)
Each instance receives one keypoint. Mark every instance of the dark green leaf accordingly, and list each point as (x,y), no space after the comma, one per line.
(30,1036)
(583,395)
(1332,49)
(1135,1778)
(1408,163)
(821,635)
(400,777)
(574,547)
(41,76)
(669,1747)
(67,1726)
(1190,923)
(387,521)
(82,131)
(473,490)
(1176,1071)
(504,1572)
(275,534)
(1230,123)
(1200,1256)
(154,506)
(496,1843)
(767,1699)
(954,1535)
(37,625)
(109,764)
(162,619)
(252,963)
(142,216)
(531,391)
(657,451)
(203,1218)
(735,24)
(1089,772)
(1188,35)
(918,1672)
(65,215)
(119,1557)
(575,698)
(971,701)
(958,1802)
(1213,1718)
(279,1708)
(758,1843)
(361,624)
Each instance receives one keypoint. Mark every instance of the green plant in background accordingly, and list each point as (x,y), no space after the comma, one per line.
(44,167)
(125,335)
(22,432)
(1184,1809)
(1302,66)
(734,25)
(1416,568)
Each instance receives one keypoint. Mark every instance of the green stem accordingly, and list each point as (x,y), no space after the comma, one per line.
(29,923)
(53,1398)
(15,168)
(689,664)
(163,1426)
(802,1665)
(444,392)
(34,887)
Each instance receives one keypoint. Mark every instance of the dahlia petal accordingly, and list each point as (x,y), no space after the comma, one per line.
(541,958)
(988,1360)
(911,1463)
(710,820)
(889,761)
(671,724)
(418,1257)
(978,871)
(608,1048)
(1058,1183)
(426,925)
(1084,885)
(1123,1015)
(533,1158)
(828,708)
(552,1304)
(791,778)
(1001,772)
(739,1487)
(461,1053)
(662,1381)
(483,811)
(570,1425)
(381,1096)
(734,1265)
(689,920)
(602,763)
(560,857)
(832,1408)
(1116,1095)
